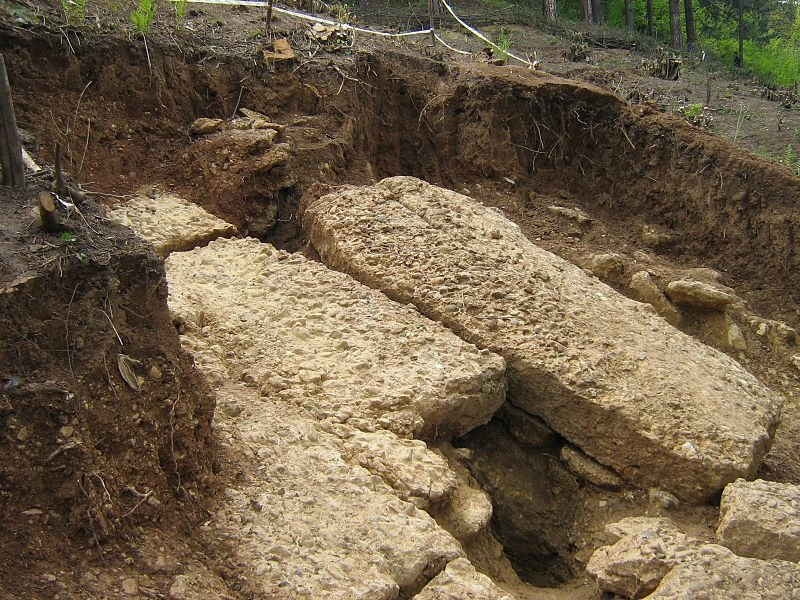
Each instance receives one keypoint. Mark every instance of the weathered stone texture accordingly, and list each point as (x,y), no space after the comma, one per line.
(170,223)
(761,519)
(654,404)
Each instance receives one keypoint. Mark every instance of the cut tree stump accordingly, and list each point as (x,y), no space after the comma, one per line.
(10,147)
(48,212)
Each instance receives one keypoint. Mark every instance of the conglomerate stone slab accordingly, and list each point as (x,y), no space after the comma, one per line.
(721,575)
(170,223)
(319,339)
(761,519)
(304,522)
(657,406)
(460,581)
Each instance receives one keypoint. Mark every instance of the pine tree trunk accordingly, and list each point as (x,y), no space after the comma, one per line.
(629,14)
(650,18)
(552,11)
(599,11)
(586,9)
(740,58)
(10,148)
(691,32)
(675,23)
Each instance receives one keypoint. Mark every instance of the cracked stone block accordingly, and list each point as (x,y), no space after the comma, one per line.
(318,338)
(305,522)
(721,575)
(648,549)
(460,581)
(170,223)
(658,407)
(761,519)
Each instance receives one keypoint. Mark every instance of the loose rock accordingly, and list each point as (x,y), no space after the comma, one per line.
(645,289)
(698,294)
(589,470)
(203,126)
(761,519)
(577,215)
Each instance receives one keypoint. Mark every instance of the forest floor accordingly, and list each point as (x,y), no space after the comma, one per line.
(93,510)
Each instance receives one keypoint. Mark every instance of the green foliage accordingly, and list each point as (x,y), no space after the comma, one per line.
(791,159)
(180,10)
(68,238)
(343,14)
(144,15)
(692,110)
(771,32)
(504,41)
(74,10)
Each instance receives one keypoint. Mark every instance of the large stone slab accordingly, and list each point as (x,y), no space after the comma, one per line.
(302,521)
(170,223)
(761,519)
(317,338)
(722,575)
(659,407)
(317,379)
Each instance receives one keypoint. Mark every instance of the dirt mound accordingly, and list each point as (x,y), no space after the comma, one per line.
(104,422)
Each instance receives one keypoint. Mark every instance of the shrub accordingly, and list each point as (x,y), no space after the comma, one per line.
(144,15)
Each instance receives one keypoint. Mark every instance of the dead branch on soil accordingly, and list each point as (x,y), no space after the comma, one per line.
(178,487)
(142,499)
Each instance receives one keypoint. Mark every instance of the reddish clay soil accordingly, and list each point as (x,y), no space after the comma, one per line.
(515,139)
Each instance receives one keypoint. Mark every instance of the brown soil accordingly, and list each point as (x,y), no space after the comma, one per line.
(515,139)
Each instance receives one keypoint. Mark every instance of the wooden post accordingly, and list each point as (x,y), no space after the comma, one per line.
(268,24)
(10,147)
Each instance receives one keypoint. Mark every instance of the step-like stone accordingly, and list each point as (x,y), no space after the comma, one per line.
(460,581)
(321,384)
(654,557)
(725,576)
(657,406)
(317,338)
(761,519)
(170,223)
(302,521)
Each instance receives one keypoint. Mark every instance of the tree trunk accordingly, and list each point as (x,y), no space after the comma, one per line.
(552,11)
(740,58)
(10,147)
(599,11)
(691,32)
(629,14)
(675,23)
(586,10)
(650,18)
